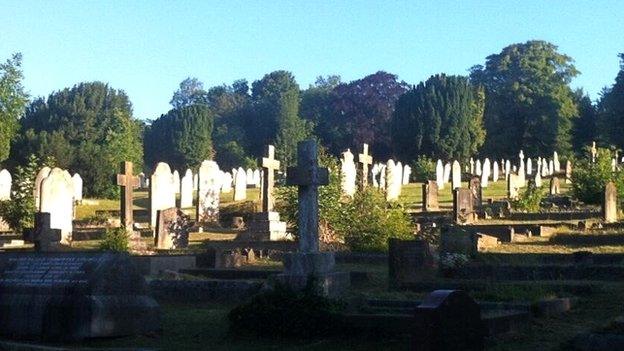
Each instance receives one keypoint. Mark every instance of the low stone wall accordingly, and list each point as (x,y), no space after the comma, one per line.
(155,264)
(203,290)
(541,272)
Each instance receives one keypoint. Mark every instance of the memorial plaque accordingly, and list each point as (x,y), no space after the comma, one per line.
(406,258)
(73,296)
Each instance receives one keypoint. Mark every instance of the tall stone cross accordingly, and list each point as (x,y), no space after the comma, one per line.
(127,182)
(365,159)
(269,165)
(308,176)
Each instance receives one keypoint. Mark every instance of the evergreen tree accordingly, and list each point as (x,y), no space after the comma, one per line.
(611,110)
(13,100)
(585,126)
(529,104)
(441,118)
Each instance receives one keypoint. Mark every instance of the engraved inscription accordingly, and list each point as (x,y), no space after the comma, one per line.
(45,271)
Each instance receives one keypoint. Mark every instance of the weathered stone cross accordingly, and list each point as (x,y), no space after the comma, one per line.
(308,176)
(269,165)
(127,182)
(44,237)
(365,159)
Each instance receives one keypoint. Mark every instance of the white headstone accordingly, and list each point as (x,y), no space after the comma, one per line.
(226,187)
(456,171)
(250,177)
(393,187)
(538,179)
(348,174)
(495,171)
(407,172)
(485,173)
(440,174)
(176,181)
(399,176)
(507,169)
(57,199)
(162,191)
(472,166)
(521,174)
(382,177)
(544,172)
(209,191)
(195,181)
(529,166)
(478,167)
(240,185)
(556,162)
(5,185)
(77,183)
(43,174)
(375,173)
(551,167)
(256,178)
(186,189)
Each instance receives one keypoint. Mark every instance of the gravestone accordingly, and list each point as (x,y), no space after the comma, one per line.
(609,204)
(266,225)
(551,167)
(172,229)
(5,185)
(309,261)
(485,173)
(529,166)
(161,192)
(495,170)
(447,172)
(449,320)
(477,192)
(406,258)
(393,182)
(240,185)
(521,174)
(73,296)
(478,168)
(440,174)
(249,177)
(507,169)
(430,196)
(472,166)
(365,160)
(57,199)
(456,179)
(176,181)
(226,186)
(556,163)
(256,178)
(41,175)
(77,184)
(45,238)
(348,173)
(382,177)
(554,186)
(127,182)
(538,179)
(463,206)
(374,175)
(142,180)
(195,182)
(568,172)
(209,190)
(512,187)
(407,172)
(186,189)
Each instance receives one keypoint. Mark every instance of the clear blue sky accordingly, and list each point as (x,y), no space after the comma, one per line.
(147,47)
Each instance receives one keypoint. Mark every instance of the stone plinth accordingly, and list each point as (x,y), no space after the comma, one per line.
(300,267)
(265,226)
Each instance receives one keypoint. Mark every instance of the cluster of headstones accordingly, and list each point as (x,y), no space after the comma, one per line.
(390,177)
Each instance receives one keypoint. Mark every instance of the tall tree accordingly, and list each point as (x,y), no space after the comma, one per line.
(275,118)
(361,112)
(441,117)
(182,138)
(529,104)
(191,92)
(88,129)
(611,110)
(13,100)
(585,126)
(316,107)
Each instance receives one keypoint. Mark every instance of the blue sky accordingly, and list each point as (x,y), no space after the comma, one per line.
(147,47)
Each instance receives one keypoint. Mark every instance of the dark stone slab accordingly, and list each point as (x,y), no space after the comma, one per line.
(73,296)
(406,258)
(448,320)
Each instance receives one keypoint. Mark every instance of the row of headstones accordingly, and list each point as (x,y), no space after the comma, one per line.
(6,182)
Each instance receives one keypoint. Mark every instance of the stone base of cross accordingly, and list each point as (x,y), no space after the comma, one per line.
(309,265)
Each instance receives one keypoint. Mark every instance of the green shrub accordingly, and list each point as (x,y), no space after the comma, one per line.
(423,169)
(115,239)
(590,178)
(530,199)
(284,313)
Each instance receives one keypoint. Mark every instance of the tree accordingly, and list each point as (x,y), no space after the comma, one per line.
(611,110)
(13,100)
(441,117)
(88,129)
(182,138)
(585,126)
(361,112)
(529,104)
(316,107)
(191,92)
(275,117)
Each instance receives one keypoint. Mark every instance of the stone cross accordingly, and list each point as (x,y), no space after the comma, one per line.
(308,176)
(44,237)
(127,182)
(365,159)
(269,165)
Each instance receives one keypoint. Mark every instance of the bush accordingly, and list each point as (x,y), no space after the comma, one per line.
(115,239)
(423,169)
(284,313)
(530,199)
(364,223)
(590,178)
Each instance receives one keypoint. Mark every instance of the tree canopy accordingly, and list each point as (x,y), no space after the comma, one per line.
(13,100)
(441,117)
(611,110)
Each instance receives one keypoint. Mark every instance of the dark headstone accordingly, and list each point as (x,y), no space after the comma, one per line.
(45,238)
(172,229)
(477,192)
(459,240)
(448,320)
(430,196)
(406,258)
(463,206)
(73,296)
